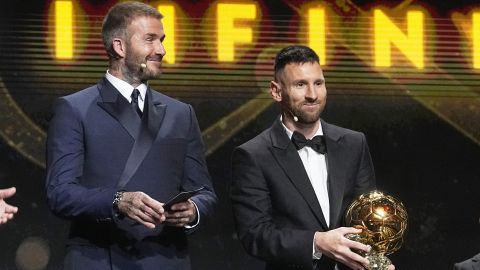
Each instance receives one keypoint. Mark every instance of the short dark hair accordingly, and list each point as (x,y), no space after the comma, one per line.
(294,54)
(119,18)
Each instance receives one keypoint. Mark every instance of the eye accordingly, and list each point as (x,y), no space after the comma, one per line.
(299,84)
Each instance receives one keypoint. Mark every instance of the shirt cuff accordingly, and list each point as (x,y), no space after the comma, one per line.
(316,254)
(191,226)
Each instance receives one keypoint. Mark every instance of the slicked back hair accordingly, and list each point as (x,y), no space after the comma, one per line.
(297,54)
(119,18)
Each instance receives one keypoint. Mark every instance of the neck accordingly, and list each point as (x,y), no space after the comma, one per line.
(121,72)
(307,129)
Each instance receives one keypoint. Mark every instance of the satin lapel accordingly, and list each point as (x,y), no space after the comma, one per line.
(156,113)
(336,176)
(118,107)
(153,115)
(288,158)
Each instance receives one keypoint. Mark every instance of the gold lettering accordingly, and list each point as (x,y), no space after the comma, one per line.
(227,33)
(386,33)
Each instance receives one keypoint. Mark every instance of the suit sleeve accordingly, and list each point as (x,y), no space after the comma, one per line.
(196,173)
(253,213)
(365,180)
(65,158)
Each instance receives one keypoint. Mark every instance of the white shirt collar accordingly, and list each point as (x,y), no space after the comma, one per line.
(290,133)
(125,88)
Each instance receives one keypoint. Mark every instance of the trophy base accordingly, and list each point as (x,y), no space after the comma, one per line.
(378,262)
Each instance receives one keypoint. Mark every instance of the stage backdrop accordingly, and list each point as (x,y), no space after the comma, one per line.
(406,73)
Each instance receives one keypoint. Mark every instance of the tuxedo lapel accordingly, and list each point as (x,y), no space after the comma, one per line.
(153,115)
(143,130)
(155,112)
(288,158)
(336,176)
(118,107)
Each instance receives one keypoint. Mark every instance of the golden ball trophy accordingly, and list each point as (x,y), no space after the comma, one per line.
(383,220)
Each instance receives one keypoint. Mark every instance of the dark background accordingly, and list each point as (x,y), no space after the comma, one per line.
(423,159)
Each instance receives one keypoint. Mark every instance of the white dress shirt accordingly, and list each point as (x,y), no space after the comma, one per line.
(126,89)
(316,167)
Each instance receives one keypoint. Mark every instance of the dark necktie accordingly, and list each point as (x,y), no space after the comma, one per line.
(317,143)
(134,103)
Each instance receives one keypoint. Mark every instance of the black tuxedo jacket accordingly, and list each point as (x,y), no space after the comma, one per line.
(275,207)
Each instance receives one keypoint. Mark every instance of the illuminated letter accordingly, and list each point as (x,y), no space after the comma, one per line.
(316,32)
(476,39)
(63,30)
(168,12)
(227,33)
(387,32)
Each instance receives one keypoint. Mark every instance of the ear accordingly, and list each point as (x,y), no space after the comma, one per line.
(275,91)
(119,47)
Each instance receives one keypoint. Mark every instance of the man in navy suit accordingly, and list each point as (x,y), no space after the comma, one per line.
(118,150)
(292,183)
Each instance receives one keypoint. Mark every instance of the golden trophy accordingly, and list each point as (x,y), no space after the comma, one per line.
(383,220)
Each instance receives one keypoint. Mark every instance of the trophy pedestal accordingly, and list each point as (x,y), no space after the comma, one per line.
(378,261)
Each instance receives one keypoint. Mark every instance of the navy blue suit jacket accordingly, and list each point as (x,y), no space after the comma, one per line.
(89,141)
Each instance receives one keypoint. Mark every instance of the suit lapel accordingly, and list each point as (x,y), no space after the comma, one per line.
(118,107)
(143,131)
(155,112)
(288,158)
(336,176)
(153,115)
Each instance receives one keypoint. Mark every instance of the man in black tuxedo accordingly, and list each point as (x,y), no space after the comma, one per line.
(288,193)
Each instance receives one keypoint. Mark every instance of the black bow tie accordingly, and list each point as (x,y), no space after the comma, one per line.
(317,143)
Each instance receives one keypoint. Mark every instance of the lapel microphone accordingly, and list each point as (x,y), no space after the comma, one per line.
(295,118)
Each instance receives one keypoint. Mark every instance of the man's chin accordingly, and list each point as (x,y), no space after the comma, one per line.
(151,74)
(308,118)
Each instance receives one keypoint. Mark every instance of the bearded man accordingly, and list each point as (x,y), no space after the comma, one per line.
(118,150)
(293,182)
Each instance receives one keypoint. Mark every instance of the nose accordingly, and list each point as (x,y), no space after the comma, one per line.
(311,93)
(160,48)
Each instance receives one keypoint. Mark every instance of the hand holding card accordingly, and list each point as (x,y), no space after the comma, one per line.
(181,197)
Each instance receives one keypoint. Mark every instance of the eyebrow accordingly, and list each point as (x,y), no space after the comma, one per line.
(154,35)
(300,81)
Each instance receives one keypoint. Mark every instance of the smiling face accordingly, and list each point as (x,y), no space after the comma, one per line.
(145,46)
(142,45)
(301,91)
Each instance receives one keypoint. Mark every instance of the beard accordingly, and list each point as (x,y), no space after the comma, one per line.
(305,117)
(133,71)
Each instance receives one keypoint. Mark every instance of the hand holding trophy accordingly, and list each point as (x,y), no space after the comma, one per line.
(383,220)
